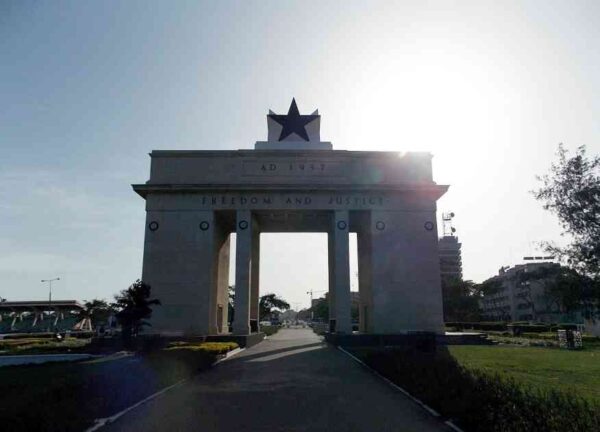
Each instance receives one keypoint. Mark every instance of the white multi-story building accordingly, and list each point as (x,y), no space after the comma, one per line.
(517,299)
(450,258)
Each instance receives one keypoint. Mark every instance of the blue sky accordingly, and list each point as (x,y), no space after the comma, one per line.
(89,88)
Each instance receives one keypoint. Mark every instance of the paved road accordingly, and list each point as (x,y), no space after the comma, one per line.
(290,382)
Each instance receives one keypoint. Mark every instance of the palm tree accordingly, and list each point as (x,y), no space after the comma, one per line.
(133,306)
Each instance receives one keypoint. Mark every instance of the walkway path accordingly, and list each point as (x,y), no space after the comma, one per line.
(290,382)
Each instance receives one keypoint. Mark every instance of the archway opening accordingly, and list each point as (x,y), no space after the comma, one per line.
(294,267)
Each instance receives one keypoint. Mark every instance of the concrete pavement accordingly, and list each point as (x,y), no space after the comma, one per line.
(290,382)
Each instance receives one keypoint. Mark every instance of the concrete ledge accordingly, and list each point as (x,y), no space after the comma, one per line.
(293,145)
(456,338)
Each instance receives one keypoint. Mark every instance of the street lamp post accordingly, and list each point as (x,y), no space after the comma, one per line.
(311,292)
(50,289)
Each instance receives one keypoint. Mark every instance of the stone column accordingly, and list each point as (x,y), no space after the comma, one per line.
(331,271)
(405,274)
(179,265)
(243,272)
(254,280)
(341,271)
(222,306)
(364,274)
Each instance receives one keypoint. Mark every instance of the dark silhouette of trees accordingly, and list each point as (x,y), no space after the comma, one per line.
(320,310)
(461,300)
(572,192)
(134,308)
(269,302)
(98,311)
(231,303)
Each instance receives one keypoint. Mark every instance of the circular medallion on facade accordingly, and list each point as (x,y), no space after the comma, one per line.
(342,225)
(428,225)
(153,226)
(243,224)
(204,225)
(380,226)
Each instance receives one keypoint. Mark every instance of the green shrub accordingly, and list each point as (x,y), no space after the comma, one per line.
(270,330)
(484,325)
(478,401)
(208,347)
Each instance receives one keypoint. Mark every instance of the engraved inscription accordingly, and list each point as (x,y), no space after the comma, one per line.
(323,201)
(292,168)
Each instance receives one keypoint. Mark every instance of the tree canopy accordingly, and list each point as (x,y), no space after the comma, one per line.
(98,311)
(571,190)
(461,300)
(269,302)
(134,308)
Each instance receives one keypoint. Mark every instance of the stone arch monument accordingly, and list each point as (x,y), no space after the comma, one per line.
(293,182)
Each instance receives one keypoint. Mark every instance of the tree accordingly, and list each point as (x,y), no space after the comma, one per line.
(461,300)
(572,191)
(269,302)
(134,307)
(565,289)
(97,311)
(231,303)
(320,310)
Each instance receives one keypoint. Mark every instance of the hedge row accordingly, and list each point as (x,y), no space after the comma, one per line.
(554,336)
(477,401)
(489,325)
(515,327)
(269,330)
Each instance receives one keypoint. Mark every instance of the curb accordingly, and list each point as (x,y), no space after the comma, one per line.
(423,405)
(229,355)
(101,422)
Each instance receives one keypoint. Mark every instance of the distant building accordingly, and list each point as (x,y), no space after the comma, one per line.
(450,258)
(42,316)
(518,300)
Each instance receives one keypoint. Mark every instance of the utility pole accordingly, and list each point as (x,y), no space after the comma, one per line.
(311,292)
(50,289)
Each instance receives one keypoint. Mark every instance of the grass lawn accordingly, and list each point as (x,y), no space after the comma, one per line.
(496,388)
(577,371)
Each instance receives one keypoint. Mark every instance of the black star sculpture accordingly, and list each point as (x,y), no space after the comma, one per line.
(293,122)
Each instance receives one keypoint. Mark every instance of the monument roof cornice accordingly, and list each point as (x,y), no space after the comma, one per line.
(433,189)
(284,153)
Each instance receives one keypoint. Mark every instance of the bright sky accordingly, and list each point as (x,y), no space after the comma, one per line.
(87,89)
